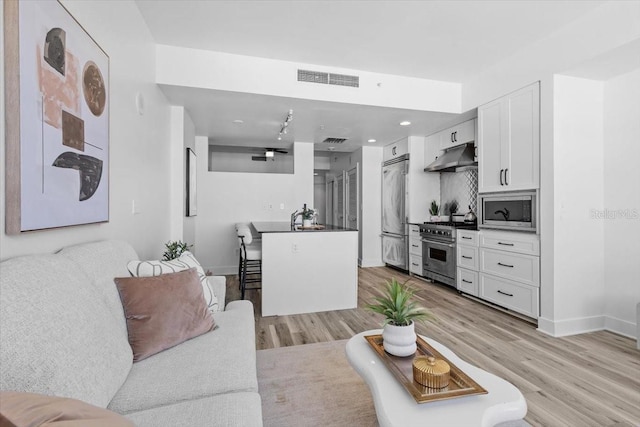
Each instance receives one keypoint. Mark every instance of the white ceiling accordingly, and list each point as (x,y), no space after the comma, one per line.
(441,40)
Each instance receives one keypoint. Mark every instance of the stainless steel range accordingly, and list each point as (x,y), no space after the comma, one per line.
(439,250)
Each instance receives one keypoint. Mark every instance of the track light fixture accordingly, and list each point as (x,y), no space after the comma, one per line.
(283,128)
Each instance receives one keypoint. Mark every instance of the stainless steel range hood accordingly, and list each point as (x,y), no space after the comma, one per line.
(455,159)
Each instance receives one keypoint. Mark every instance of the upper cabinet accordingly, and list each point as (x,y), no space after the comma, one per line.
(509,142)
(462,133)
(397,149)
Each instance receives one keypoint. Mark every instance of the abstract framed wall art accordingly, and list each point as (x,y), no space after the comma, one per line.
(57,119)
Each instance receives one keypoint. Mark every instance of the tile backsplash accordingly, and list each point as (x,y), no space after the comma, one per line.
(461,187)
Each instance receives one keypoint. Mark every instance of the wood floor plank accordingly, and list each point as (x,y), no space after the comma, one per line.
(584,380)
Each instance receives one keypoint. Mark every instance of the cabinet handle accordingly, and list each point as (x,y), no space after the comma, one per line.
(455,136)
(466,281)
(451,137)
(501,182)
(505,244)
(466,257)
(505,177)
(504,293)
(415,246)
(465,237)
(413,263)
(505,265)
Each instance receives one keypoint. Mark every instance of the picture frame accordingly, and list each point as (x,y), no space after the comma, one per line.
(57,119)
(192,172)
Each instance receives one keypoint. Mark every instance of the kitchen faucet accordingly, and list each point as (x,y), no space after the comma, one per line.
(294,216)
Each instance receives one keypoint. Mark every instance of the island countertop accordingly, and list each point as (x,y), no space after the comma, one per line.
(285,227)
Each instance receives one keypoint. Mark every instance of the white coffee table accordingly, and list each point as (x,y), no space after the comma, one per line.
(396,407)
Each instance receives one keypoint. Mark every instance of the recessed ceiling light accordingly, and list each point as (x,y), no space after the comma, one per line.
(238,121)
(405,123)
(332,148)
(371,140)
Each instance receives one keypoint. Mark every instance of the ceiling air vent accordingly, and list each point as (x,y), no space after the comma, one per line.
(334,140)
(328,78)
(313,76)
(344,80)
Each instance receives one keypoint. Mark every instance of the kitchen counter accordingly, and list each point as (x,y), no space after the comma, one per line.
(285,227)
(307,270)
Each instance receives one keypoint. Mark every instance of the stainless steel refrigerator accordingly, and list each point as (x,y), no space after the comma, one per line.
(395,239)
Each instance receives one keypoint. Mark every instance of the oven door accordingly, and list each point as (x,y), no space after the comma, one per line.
(439,258)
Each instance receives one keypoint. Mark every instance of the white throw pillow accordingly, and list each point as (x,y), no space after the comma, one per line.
(183,262)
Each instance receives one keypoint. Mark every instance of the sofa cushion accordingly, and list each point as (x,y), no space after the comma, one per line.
(219,286)
(163,311)
(30,409)
(184,262)
(219,362)
(232,409)
(56,336)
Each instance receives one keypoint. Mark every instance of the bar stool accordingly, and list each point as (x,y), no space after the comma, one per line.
(250,267)
(256,242)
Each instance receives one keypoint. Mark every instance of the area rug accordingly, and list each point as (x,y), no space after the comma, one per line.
(314,385)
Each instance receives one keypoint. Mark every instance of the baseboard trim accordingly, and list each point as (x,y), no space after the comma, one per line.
(364,263)
(620,327)
(583,325)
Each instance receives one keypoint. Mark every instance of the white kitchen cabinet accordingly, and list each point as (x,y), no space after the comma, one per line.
(467,281)
(415,250)
(415,264)
(509,142)
(467,257)
(510,241)
(462,133)
(509,270)
(515,296)
(397,149)
(467,261)
(509,265)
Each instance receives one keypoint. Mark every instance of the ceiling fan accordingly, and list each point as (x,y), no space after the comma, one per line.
(269,153)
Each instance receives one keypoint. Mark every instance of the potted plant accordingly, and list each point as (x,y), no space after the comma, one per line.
(307,216)
(453,209)
(434,210)
(175,249)
(398,334)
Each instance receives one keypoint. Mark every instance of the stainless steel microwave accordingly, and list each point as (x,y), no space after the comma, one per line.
(508,211)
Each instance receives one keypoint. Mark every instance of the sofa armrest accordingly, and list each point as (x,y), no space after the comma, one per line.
(219,286)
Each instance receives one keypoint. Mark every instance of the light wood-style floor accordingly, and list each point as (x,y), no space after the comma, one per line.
(585,380)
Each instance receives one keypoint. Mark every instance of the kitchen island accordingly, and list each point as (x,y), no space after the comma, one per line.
(307,270)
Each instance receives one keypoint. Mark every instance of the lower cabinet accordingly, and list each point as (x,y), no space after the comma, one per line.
(516,296)
(415,250)
(467,262)
(415,264)
(510,277)
(467,281)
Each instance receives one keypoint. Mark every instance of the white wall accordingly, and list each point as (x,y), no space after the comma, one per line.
(139,144)
(225,198)
(621,201)
(371,207)
(216,70)
(578,192)
(609,26)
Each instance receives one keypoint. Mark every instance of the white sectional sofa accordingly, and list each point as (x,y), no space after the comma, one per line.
(63,333)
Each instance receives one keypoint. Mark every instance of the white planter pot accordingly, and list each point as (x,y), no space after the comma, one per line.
(306,223)
(399,340)
(435,218)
